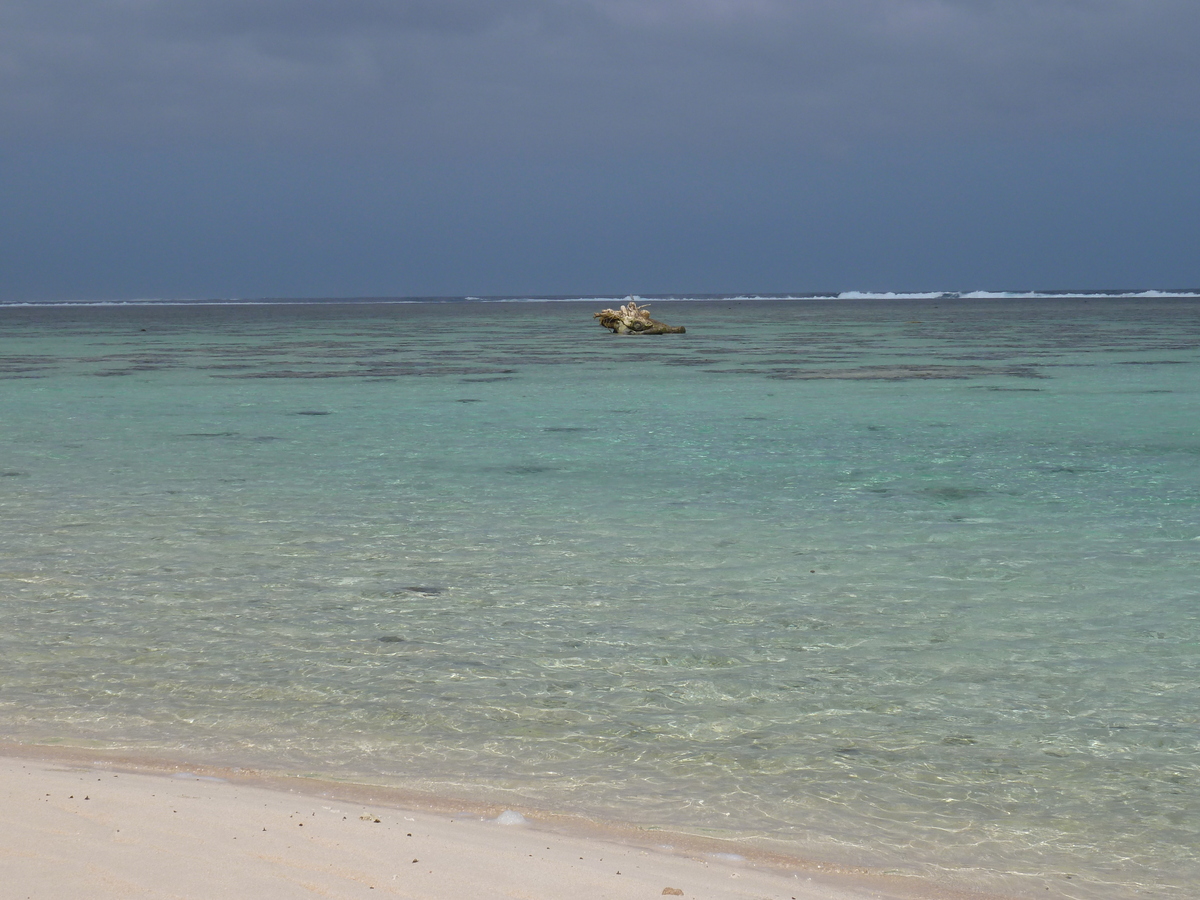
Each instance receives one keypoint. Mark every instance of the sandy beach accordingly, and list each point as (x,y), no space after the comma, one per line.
(80,824)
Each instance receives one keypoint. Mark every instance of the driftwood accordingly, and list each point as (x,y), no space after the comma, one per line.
(634,319)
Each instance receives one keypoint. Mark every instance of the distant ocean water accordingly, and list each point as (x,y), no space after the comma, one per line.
(910,582)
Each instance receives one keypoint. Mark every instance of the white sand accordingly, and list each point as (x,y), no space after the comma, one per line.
(75,826)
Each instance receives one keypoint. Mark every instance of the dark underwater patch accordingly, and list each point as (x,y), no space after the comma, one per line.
(901,372)
(291,374)
(411,589)
(531,469)
(18,370)
(959,740)
(950,492)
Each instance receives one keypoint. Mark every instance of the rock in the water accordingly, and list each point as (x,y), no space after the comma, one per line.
(634,319)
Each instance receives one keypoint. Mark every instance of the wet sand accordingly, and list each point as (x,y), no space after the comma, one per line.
(83,824)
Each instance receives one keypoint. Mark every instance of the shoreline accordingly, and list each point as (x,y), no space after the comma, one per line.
(150,826)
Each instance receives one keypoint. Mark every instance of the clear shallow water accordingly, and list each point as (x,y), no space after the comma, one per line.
(909,584)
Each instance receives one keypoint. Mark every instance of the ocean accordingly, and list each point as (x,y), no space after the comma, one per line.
(904,582)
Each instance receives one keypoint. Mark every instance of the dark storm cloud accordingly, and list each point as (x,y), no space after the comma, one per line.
(591,71)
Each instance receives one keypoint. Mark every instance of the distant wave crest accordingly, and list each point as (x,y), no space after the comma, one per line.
(662,298)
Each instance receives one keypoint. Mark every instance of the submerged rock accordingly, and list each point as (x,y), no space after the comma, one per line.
(634,319)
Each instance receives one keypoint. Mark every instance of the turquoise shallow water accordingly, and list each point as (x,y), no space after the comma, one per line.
(908,584)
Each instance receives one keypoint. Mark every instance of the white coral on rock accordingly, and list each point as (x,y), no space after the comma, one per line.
(633,319)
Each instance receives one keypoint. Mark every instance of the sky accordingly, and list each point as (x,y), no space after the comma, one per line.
(340,148)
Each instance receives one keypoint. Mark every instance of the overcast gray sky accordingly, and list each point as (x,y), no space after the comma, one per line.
(405,147)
